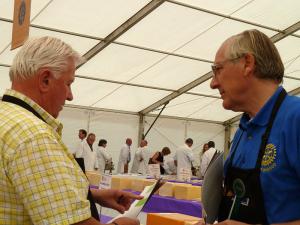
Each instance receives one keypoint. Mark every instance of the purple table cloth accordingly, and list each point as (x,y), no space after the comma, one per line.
(158,204)
(105,219)
(161,204)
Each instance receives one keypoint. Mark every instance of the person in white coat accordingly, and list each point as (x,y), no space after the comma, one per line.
(87,152)
(207,156)
(81,135)
(139,158)
(124,157)
(103,156)
(169,166)
(184,156)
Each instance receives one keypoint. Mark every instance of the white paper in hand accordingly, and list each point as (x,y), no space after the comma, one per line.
(137,206)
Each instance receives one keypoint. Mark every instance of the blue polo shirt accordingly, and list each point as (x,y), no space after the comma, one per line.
(280,168)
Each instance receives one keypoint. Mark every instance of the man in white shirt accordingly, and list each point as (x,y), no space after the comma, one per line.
(87,152)
(207,157)
(141,158)
(124,157)
(103,156)
(169,166)
(82,135)
(184,156)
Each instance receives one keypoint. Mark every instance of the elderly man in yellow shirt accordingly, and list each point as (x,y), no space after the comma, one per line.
(40,181)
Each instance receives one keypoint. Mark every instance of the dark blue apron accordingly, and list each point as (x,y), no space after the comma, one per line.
(243,196)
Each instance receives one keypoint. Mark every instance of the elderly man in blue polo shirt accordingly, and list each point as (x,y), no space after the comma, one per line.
(262,171)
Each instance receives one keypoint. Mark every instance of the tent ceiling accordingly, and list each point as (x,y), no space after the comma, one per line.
(154,51)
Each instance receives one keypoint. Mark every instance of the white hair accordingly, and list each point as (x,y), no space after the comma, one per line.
(44,52)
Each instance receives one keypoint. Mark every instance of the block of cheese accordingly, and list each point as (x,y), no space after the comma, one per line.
(94,177)
(170,219)
(187,192)
(137,184)
(148,182)
(167,189)
(191,222)
(120,183)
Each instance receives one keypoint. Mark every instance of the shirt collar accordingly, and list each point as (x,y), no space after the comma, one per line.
(263,116)
(50,120)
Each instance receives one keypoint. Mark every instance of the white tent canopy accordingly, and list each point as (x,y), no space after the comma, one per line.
(142,54)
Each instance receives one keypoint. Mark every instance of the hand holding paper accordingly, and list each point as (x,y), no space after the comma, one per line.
(137,206)
(115,199)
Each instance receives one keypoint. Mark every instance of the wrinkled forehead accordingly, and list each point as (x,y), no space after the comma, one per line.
(222,52)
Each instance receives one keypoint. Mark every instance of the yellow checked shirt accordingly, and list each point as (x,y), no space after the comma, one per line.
(40,182)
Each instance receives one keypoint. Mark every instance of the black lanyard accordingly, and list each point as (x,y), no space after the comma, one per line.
(266,135)
(19,102)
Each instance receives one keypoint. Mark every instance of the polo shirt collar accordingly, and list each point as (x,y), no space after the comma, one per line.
(263,116)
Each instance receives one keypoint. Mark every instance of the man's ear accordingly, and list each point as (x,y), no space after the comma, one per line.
(45,78)
(249,64)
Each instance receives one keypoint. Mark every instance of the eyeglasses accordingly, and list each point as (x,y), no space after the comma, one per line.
(216,67)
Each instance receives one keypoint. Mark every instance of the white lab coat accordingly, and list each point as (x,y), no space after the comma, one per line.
(136,161)
(144,159)
(88,156)
(184,156)
(103,157)
(169,165)
(77,150)
(205,160)
(123,158)
(140,161)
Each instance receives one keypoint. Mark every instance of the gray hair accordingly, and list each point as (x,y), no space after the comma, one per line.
(268,64)
(44,52)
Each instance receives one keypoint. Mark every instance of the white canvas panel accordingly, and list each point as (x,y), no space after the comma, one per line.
(186,105)
(273,13)
(129,98)
(290,84)
(72,120)
(289,49)
(224,7)
(6,35)
(165,133)
(82,45)
(293,68)
(169,27)
(204,88)
(94,17)
(266,12)
(86,92)
(172,72)
(206,45)
(115,128)
(215,112)
(191,106)
(172,133)
(119,63)
(7,8)
(4,79)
